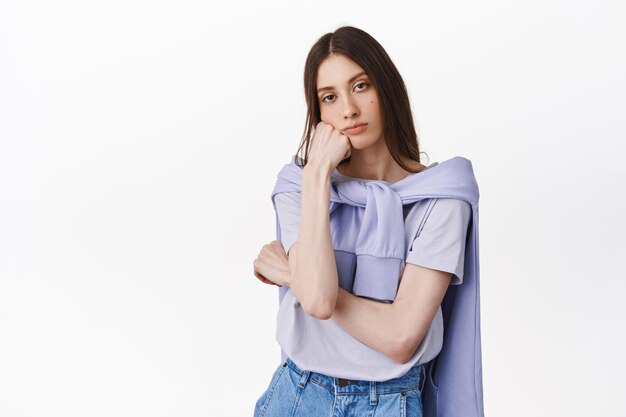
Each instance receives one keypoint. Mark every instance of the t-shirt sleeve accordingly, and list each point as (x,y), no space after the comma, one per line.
(441,238)
(288,206)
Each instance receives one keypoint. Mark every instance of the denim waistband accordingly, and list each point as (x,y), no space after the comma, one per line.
(413,379)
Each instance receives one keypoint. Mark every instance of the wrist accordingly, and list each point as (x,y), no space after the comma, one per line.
(319,170)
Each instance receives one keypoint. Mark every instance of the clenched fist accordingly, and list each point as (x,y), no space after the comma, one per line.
(272,265)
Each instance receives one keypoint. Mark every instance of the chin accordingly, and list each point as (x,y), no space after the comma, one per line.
(361,142)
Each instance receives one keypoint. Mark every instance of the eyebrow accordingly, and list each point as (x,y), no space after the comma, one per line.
(319,90)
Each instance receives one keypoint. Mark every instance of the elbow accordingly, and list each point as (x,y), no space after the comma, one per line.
(321,306)
(320,310)
(404,352)
(401,356)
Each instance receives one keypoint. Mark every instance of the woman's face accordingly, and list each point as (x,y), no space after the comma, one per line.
(351,99)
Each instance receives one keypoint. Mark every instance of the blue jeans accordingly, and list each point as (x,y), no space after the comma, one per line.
(293,392)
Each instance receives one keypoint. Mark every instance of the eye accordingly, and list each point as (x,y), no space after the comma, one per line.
(364,84)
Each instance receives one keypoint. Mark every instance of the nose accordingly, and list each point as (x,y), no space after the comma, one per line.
(350,108)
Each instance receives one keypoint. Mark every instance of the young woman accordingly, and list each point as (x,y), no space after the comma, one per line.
(370,240)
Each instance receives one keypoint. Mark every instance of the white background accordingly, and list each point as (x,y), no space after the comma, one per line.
(140,142)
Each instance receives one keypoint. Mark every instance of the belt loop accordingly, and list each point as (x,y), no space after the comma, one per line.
(304,379)
(373,397)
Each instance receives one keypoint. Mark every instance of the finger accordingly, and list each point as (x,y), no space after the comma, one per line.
(264,280)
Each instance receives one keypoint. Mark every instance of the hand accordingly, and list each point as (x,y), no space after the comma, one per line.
(272,265)
(328,146)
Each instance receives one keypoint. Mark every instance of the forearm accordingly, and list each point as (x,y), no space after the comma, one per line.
(374,323)
(314,279)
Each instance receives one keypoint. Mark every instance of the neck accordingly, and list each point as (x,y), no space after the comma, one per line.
(376,164)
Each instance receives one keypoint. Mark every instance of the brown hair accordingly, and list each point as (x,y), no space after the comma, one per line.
(362,48)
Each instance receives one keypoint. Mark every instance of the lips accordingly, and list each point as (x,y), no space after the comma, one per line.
(356,129)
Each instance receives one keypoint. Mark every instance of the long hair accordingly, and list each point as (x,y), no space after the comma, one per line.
(362,48)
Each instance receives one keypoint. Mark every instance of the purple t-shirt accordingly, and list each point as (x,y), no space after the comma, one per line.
(435,232)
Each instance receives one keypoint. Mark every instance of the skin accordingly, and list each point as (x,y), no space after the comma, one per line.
(397,329)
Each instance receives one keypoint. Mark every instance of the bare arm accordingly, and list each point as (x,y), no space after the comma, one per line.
(395,330)
(312,259)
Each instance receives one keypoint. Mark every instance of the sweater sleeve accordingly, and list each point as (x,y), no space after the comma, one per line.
(441,238)
(288,206)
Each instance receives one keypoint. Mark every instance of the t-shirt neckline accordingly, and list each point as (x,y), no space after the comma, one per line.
(336,172)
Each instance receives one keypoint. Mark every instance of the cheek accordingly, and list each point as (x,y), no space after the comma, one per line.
(374,108)
(373,104)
